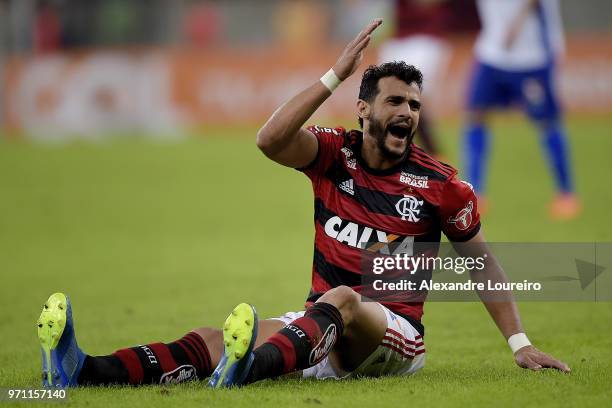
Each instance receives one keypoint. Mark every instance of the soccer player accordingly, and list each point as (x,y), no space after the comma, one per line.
(372,188)
(420,39)
(515,54)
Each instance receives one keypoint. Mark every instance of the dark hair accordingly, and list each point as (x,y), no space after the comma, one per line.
(399,69)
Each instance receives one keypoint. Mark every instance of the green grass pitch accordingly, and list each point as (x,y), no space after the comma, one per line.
(153,239)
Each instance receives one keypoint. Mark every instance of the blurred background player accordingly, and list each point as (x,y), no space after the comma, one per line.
(515,55)
(421,36)
(420,39)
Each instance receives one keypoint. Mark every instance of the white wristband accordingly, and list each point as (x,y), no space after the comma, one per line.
(518,341)
(330,80)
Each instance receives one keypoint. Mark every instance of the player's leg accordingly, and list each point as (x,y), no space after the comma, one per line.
(541,104)
(476,147)
(554,141)
(191,357)
(182,360)
(64,364)
(365,325)
(214,337)
(484,92)
(338,321)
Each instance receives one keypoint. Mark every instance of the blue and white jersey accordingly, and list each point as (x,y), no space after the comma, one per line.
(537,45)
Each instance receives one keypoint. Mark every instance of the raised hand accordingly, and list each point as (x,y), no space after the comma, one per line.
(533,359)
(352,55)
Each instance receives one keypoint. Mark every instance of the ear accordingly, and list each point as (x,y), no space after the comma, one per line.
(363,109)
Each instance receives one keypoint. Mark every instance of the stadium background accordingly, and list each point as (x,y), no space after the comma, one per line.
(130,180)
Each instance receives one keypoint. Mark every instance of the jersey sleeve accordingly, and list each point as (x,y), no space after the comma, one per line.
(330,142)
(459,210)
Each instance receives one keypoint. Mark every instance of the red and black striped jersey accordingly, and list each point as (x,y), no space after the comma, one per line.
(360,211)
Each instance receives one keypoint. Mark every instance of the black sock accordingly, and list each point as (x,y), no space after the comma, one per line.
(103,370)
(268,362)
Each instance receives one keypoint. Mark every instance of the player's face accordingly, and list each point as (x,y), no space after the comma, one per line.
(393,116)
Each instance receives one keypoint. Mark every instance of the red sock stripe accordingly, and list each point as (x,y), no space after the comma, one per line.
(187,349)
(285,346)
(309,326)
(192,343)
(166,361)
(201,347)
(130,360)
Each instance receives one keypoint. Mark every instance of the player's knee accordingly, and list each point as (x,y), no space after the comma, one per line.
(345,299)
(209,335)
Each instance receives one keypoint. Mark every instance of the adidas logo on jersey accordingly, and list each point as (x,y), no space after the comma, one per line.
(347,186)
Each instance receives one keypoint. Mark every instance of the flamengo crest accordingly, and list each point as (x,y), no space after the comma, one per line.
(409,207)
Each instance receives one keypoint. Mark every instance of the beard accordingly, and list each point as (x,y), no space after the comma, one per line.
(380,133)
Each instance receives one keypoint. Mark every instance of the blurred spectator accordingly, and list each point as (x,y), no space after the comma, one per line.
(202,24)
(421,27)
(301,23)
(464,17)
(78,24)
(350,15)
(4,26)
(47,28)
(117,21)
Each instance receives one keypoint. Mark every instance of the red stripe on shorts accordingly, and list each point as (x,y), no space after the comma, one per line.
(397,350)
(399,344)
(401,336)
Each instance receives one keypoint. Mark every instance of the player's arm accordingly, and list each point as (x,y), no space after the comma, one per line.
(502,308)
(516,24)
(282,138)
